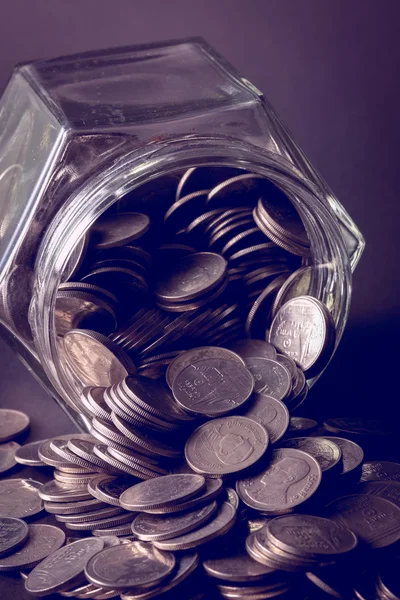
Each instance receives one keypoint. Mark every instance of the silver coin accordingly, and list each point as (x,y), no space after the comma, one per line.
(196,274)
(106,523)
(352,454)
(191,356)
(74,508)
(20,498)
(119,229)
(373,519)
(186,564)
(300,425)
(95,359)
(390,490)
(291,478)
(42,541)
(269,412)
(162,492)
(212,386)
(13,533)
(137,565)
(310,536)
(28,454)
(304,330)
(50,457)
(326,452)
(7,456)
(212,490)
(219,525)
(163,527)
(108,488)
(54,491)
(234,564)
(94,515)
(227,445)
(380,470)
(153,397)
(62,568)
(253,348)
(12,423)
(270,377)
(76,309)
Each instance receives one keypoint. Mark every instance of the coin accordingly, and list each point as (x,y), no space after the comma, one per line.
(234,564)
(253,348)
(270,413)
(162,492)
(63,568)
(13,533)
(196,177)
(212,386)
(352,455)
(227,445)
(383,470)
(163,527)
(219,525)
(119,229)
(94,515)
(270,377)
(20,498)
(137,565)
(303,329)
(291,478)
(195,275)
(310,536)
(155,398)
(373,519)
(326,452)
(74,508)
(212,490)
(299,425)
(7,456)
(105,523)
(79,309)
(95,359)
(390,490)
(54,491)
(42,541)
(12,423)
(28,454)
(108,488)
(191,356)
(186,564)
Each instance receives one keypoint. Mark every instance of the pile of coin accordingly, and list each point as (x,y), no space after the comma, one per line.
(184,261)
(251,544)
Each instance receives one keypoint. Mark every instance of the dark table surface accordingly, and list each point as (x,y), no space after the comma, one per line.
(331,71)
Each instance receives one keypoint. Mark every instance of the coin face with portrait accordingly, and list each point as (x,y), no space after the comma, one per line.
(226,445)
(291,478)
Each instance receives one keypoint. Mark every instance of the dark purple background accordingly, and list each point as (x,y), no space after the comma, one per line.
(331,70)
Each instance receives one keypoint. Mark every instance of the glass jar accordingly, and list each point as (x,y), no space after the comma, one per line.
(80,132)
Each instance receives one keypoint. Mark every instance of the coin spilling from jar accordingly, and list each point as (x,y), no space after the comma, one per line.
(188,320)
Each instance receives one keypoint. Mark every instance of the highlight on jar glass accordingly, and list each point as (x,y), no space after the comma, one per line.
(167,252)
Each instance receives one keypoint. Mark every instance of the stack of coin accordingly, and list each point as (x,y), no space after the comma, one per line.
(300,543)
(236,574)
(180,511)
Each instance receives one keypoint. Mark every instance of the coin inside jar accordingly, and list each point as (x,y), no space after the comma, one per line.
(212,386)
